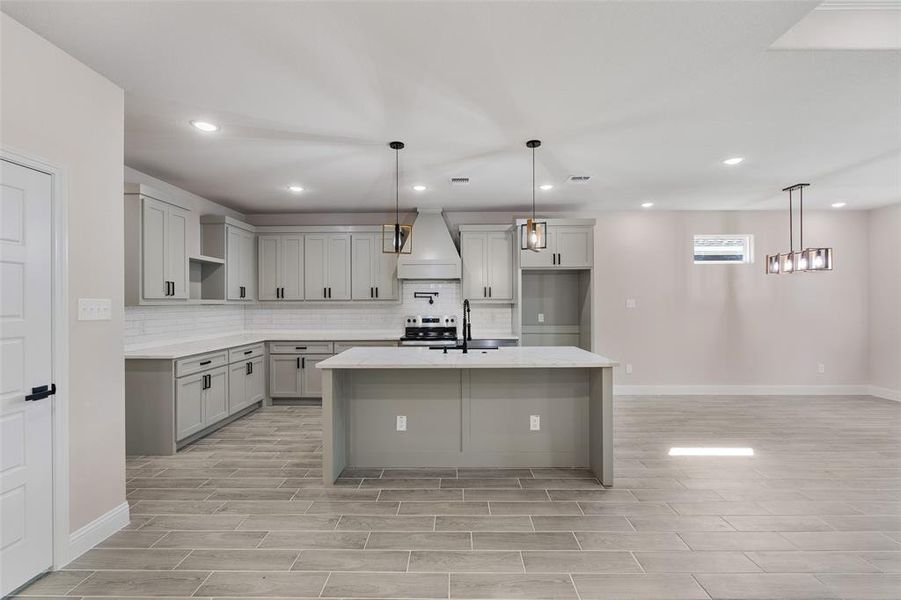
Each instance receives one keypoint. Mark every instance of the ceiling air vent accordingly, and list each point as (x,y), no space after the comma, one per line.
(459,181)
(579,178)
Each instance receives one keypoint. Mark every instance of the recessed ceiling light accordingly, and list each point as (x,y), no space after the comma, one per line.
(546,186)
(711,451)
(418,188)
(838,204)
(295,188)
(205,126)
(733,161)
(647,204)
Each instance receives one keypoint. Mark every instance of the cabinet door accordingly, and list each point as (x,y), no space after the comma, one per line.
(315,258)
(542,258)
(188,405)
(475,259)
(284,376)
(255,383)
(574,246)
(234,266)
(177,243)
(154,253)
(386,284)
(311,377)
(363,264)
(269,264)
(292,259)
(237,387)
(500,265)
(248,265)
(215,396)
(338,266)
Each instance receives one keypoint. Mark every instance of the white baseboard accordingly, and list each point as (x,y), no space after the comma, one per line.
(887,393)
(96,531)
(744,390)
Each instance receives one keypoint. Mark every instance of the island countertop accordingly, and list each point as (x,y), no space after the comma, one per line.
(516,357)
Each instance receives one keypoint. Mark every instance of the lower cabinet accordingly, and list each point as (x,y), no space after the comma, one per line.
(246,384)
(295,375)
(200,400)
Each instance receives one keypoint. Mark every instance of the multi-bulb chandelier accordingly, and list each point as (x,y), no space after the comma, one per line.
(805,259)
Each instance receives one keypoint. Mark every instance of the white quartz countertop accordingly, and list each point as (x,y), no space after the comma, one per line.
(185,348)
(542,357)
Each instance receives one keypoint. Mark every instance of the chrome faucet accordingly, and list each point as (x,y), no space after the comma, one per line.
(467,326)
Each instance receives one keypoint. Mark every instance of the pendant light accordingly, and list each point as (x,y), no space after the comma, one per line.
(805,259)
(533,234)
(397,238)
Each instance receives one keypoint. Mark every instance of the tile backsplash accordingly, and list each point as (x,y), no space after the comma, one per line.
(162,324)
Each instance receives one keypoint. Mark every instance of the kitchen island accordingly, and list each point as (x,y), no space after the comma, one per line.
(415,407)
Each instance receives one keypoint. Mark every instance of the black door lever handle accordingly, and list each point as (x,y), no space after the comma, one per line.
(41,392)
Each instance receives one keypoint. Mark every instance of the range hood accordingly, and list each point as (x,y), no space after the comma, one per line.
(434,255)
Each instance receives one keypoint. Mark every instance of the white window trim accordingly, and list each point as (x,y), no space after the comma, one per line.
(749,255)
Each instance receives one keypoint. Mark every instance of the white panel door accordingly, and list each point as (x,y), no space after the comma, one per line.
(475,261)
(255,384)
(248,265)
(362,266)
(542,258)
(155,254)
(189,405)
(269,266)
(177,244)
(234,257)
(26,484)
(310,376)
(315,249)
(292,252)
(237,386)
(215,397)
(500,265)
(284,378)
(339,266)
(386,284)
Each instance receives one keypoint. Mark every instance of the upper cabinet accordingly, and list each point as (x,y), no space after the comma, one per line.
(373,272)
(156,253)
(327,266)
(235,242)
(281,267)
(568,246)
(487,253)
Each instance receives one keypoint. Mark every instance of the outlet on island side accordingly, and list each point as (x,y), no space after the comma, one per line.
(401,423)
(534,422)
(628,368)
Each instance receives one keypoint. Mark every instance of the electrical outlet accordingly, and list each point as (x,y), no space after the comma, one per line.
(631,303)
(628,368)
(401,423)
(541,317)
(534,422)
(821,368)
(94,309)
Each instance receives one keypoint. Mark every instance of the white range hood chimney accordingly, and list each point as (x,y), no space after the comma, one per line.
(434,254)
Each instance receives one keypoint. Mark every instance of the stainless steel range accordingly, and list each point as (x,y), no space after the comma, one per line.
(422,330)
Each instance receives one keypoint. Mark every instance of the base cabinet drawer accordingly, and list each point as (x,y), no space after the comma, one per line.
(245,353)
(301,348)
(203,362)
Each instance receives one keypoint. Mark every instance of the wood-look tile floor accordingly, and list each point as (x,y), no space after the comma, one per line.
(815,513)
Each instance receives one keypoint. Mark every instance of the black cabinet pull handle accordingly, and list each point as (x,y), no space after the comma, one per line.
(248,368)
(300,347)
(248,352)
(484,292)
(325,292)
(206,362)
(303,362)
(489,291)
(41,392)
(376,292)
(330,292)
(298,362)
(371,293)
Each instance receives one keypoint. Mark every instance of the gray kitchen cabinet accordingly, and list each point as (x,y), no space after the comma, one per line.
(373,272)
(163,249)
(240,260)
(568,246)
(215,397)
(284,379)
(327,258)
(487,254)
(246,383)
(310,376)
(189,405)
(281,267)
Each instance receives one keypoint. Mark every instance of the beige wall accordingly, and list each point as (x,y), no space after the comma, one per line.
(197,204)
(730,324)
(58,110)
(885,299)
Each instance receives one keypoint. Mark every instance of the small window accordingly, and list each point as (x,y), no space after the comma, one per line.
(723,249)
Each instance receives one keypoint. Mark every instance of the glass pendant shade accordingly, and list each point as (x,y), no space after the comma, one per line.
(772,264)
(533,235)
(799,261)
(819,259)
(397,238)
(786,265)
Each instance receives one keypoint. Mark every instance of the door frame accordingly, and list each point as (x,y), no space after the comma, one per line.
(59,328)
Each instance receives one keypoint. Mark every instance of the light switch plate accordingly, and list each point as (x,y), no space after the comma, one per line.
(631,303)
(94,309)
(401,423)
(628,368)
(821,368)
(541,317)
(534,422)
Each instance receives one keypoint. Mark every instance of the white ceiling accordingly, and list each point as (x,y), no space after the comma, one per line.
(648,98)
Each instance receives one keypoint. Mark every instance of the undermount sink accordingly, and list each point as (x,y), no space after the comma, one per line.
(483,344)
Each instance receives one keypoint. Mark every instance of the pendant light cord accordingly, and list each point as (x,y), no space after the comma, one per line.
(791,226)
(396,185)
(533,183)
(801,215)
